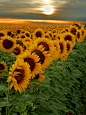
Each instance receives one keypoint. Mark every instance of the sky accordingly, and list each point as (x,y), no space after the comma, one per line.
(42,11)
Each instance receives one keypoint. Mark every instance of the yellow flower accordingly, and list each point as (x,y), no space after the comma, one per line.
(77,24)
(73,29)
(19,50)
(48,45)
(7,43)
(38,33)
(45,58)
(69,36)
(19,75)
(56,44)
(32,60)
(63,47)
(2,67)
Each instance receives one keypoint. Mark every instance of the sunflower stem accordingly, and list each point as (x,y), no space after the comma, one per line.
(7,108)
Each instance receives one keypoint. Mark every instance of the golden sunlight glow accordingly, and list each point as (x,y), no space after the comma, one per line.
(48,10)
(47,1)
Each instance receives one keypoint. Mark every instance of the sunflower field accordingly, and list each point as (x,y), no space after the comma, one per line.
(43,69)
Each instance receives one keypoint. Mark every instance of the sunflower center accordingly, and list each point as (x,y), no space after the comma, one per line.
(46,36)
(7,43)
(22,36)
(68,37)
(18,51)
(20,77)
(68,47)
(50,34)
(27,34)
(61,47)
(9,33)
(1,34)
(78,35)
(77,26)
(44,45)
(58,37)
(1,67)
(31,63)
(73,31)
(18,31)
(41,56)
(36,76)
(19,42)
(38,34)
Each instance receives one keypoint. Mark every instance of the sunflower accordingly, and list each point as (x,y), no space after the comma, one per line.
(28,35)
(32,60)
(58,36)
(50,34)
(45,58)
(39,76)
(79,36)
(2,33)
(7,43)
(62,31)
(63,47)
(64,57)
(54,31)
(69,46)
(19,50)
(47,35)
(77,24)
(67,29)
(73,29)
(58,50)
(54,36)
(48,45)
(69,36)
(25,46)
(38,33)
(22,36)
(83,32)
(19,75)
(2,67)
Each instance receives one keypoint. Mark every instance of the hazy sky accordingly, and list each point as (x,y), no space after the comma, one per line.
(68,10)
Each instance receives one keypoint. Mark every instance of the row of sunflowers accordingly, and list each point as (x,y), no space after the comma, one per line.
(35,49)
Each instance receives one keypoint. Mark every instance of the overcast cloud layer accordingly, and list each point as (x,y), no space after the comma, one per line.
(71,10)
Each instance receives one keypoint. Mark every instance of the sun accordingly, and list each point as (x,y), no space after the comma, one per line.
(47,10)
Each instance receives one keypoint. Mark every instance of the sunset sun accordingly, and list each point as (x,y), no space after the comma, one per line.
(48,10)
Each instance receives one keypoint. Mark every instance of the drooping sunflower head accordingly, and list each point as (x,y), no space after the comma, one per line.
(7,43)
(19,75)
(2,67)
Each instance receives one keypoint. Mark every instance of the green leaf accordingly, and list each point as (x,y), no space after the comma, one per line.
(20,107)
(4,71)
(34,82)
(3,104)
(4,88)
